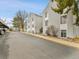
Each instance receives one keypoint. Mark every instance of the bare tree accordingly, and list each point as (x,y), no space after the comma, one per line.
(20,17)
(52,31)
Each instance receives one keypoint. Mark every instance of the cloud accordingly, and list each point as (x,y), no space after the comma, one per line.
(8,21)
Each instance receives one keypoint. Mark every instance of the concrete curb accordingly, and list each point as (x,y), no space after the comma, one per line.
(56,40)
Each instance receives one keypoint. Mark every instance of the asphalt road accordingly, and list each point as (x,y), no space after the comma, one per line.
(4,48)
(21,46)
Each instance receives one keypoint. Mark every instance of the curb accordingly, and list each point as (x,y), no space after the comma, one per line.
(56,40)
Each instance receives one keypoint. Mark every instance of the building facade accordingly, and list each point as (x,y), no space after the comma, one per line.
(34,23)
(50,18)
(25,25)
(63,24)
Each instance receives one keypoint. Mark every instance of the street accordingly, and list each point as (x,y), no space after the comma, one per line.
(3,46)
(16,45)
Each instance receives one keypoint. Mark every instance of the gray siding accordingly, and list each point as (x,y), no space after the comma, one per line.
(53,18)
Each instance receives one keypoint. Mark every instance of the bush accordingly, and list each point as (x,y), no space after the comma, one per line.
(51,30)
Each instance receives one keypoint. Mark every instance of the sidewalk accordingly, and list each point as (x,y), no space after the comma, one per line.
(53,39)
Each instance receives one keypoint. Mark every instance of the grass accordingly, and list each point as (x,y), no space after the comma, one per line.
(76,39)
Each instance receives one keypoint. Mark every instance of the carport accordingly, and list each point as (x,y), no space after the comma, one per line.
(3,28)
(3,25)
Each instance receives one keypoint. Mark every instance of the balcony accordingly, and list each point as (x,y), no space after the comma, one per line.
(63,26)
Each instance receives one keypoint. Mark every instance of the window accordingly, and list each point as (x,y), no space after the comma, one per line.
(46,14)
(63,33)
(46,22)
(63,20)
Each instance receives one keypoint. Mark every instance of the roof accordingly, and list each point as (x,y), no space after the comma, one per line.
(3,25)
(35,14)
(46,7)
(51,4)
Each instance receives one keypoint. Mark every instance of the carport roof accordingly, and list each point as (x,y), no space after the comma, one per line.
(3,25)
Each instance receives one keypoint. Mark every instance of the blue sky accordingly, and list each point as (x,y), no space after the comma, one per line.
(8,8)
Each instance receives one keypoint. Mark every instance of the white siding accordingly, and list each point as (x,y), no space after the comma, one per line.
(35,23)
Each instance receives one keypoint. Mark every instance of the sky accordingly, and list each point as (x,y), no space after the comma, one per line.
(8,8)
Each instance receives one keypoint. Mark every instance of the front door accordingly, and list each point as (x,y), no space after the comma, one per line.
(63,33)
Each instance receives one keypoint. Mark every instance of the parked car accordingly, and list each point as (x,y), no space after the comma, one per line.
(2,31)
